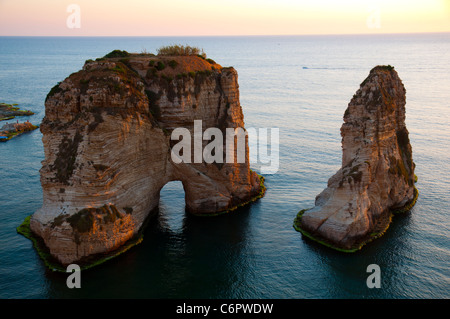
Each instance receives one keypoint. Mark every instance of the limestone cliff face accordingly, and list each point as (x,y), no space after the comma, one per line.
(106,136)
(377,174)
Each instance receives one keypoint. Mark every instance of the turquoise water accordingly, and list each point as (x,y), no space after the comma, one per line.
(301,85)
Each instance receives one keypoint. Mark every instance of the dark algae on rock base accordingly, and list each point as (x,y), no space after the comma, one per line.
(377,175)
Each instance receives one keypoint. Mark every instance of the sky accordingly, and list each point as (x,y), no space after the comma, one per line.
(220,17)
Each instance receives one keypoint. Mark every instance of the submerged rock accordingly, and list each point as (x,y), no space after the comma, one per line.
(106,136)
(10,111)
(377,174)
(10,130)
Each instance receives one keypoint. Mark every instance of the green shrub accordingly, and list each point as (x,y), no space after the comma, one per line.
(183,75)
(173,64)
(54,90)
(180,50)
(119,68)
(117,54)
(160,66)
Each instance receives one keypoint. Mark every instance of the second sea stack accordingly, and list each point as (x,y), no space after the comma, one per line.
(377,175)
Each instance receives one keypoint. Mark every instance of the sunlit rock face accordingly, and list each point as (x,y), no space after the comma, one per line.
(377,174)
(107,141)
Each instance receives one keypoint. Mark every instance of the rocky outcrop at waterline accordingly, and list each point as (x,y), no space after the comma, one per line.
(377,174)
(10,111)
(8,130)
(107,142)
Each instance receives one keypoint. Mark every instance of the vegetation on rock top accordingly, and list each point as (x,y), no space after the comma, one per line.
(117,54)
(181,50)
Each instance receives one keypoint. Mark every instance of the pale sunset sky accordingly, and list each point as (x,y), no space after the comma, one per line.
(221,17)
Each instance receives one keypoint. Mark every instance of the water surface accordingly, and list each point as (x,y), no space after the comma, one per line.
(300,84)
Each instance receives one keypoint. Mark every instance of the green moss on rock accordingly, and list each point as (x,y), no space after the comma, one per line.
(53,91)
(43,252)
(379,230)
(117,54)
(251,200)
(85,263)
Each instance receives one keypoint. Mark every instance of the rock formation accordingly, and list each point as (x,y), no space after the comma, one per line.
(377,174)
(107,141)
(10,111)
(10,130)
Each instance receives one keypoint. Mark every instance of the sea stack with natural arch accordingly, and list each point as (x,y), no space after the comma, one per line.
(107,141)
(377,175)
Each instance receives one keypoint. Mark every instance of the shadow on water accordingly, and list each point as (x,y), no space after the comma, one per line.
(345,274)
(181,256)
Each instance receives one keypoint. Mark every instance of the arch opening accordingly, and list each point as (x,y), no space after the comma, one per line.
(172,205)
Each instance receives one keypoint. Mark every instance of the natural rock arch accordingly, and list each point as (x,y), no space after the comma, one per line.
(106,135)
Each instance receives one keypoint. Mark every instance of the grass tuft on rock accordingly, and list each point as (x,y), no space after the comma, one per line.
(117,54)
(171,50)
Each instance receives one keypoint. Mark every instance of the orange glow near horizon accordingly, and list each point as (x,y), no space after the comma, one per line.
(220,17)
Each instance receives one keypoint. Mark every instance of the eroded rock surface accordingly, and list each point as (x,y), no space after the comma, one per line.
(106,136)
(377,174)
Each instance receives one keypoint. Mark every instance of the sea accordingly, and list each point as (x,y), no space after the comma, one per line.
(298,84)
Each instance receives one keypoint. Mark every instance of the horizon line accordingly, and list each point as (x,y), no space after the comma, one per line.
(224,35)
